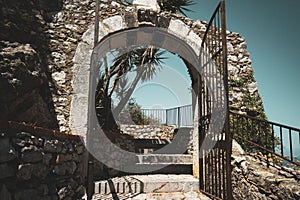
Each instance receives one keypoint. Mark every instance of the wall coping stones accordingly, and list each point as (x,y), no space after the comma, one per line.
(39,131)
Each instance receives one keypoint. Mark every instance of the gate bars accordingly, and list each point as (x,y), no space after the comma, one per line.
(215,164)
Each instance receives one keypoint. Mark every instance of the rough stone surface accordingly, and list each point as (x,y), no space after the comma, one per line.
(149,131)
(146,4)
(49,33)
(38,43)
(253,179)
(7,152)
(243,94)
(21,85)
(41,166)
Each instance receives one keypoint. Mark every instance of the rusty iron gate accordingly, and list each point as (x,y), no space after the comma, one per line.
(214,161)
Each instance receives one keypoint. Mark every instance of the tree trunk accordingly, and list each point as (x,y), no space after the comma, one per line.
(126,98)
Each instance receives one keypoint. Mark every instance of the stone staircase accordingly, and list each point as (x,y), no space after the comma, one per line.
(163,164)
(158,187)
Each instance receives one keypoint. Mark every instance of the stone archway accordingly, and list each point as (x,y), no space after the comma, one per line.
(174,35)
(143,26)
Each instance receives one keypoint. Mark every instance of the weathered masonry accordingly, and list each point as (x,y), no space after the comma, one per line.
(59,50)
(144,24)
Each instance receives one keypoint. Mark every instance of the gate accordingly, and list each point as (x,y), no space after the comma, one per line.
(214,161)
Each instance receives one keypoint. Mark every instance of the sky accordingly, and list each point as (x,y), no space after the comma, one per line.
(272,31)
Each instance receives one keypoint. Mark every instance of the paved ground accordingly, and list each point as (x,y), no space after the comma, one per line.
(149,187)
(154,196)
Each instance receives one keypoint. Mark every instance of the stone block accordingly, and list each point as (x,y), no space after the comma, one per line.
(178,28)
(26,171)
(83,55)
(65,168)
(147,5)
(194,41)
(88,36)
(80,83)
(163,22)
(31,154)
(131,20)
(66,157)
(147,16)
(150,183)
(113,23)
(65,192)
(53,146)
(79,114)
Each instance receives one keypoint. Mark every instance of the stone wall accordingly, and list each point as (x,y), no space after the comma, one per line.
(39,164)
(149,131)
(244,96)
(253,179)
(243,89)
(54,30)
(23,95)
(160,133)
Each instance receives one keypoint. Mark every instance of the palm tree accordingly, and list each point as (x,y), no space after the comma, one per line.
(176,6)
(144,61)
(148,61)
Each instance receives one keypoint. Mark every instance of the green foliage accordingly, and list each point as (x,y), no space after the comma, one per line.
(145,61)
(176,6)
(254,130)
(133,113)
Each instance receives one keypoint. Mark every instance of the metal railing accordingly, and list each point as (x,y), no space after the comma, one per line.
(273,140)
(157,116)
(179,116)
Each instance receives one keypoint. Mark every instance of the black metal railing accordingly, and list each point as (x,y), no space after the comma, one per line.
(181,116)
(157,116)
(280,144)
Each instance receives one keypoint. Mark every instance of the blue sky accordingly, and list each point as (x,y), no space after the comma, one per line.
(272,31)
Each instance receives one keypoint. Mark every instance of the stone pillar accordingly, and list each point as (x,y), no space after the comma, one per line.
(196,107)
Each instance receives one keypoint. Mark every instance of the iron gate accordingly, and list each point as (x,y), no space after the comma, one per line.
(215,165)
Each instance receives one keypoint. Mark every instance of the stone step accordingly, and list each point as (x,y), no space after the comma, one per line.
(137,184)
(161,164)
(165,159)
(161,169)
(193,195)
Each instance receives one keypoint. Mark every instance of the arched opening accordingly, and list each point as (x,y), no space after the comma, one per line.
(154,84)
(145,36)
